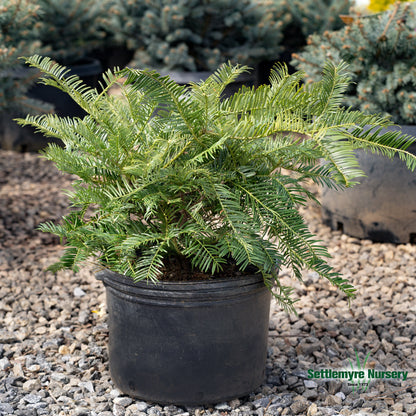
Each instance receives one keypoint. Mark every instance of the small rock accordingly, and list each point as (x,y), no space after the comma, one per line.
(114,393)
(333,386)
(5,364)
(141,406)
(292,380)
(410,408)
(34,368)
(299,406)
(83,317)
(333,400)
(234,403)
(156,410)
(310,318)
(63,350)
(18,370)
(357,403)
(223,407)
(118,410)
(41,330)
(87,385)
(6,408)
(310,384)
(32,398)
(59,377)
(263,402)
(80,411)
(312,410)
(123,401)
(274,410)
(341,395)
(78,292)
(398,407)
(310,394)
(32,385)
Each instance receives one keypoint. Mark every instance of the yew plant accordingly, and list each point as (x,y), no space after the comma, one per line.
(168,173)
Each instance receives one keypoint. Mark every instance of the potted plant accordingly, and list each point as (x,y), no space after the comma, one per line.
(19,35)
(71,30)
(189,39)
(190,211)
(300,19)
(381,51)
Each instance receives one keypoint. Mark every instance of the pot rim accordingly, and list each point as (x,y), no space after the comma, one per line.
(189,293)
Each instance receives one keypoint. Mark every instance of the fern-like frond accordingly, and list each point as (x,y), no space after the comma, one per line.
(165,171)
(58,76)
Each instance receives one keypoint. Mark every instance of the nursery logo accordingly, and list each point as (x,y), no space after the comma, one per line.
(358,377)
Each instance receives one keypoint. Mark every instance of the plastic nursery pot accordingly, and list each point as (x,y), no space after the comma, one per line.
(20,139)
(248,79)
(89,71)
(189,343)
(383,206)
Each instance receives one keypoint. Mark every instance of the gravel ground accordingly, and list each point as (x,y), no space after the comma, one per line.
(53,358)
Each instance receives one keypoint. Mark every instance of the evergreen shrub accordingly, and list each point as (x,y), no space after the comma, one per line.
(190,35)
(204,182)
(381,52)
(71,29)
(19,36)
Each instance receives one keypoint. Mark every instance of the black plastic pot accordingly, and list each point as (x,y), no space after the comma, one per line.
(89,71)
(113,56)
(187,343)
(185,78)
(382,207)
(21,139)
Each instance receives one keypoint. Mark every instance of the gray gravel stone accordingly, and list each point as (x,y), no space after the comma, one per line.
(4,364)
(141,406)
(32,398)
(6,408)
(223,407)
(33,384)
(53,344)
(78,292)
(123,401)
(310,384)
(299,406)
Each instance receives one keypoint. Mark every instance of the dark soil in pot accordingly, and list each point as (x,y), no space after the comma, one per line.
(179,269)
(187,343)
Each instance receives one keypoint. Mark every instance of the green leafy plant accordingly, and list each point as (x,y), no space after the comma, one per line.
(303,18)
(381,51)
(71,29)
(191,35)
(19,35)
(172,175)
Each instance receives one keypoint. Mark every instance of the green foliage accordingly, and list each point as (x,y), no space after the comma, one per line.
(193,35)
(73,28)
(168,171)
(381,51)
(302,18)
(19,30)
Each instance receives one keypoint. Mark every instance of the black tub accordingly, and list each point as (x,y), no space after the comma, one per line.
(187,343)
